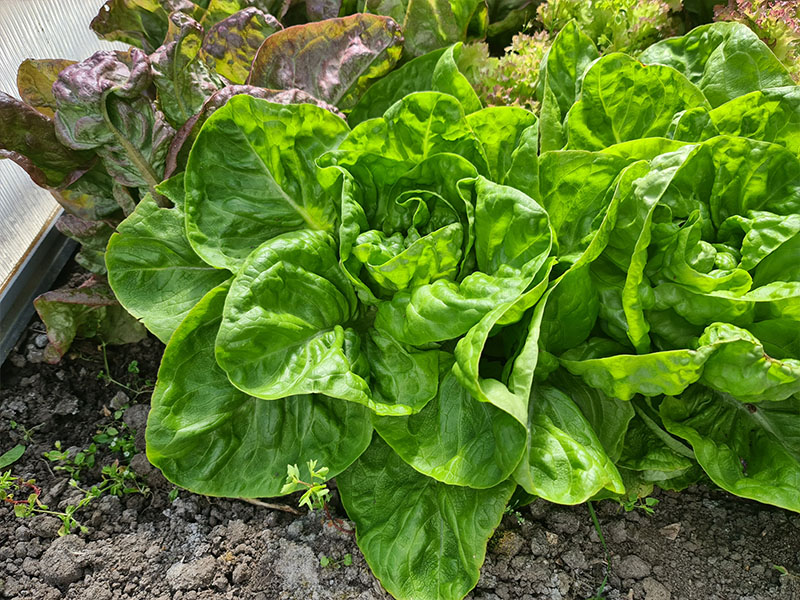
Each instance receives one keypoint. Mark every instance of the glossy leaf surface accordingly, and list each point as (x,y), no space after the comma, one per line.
(153,270)
(751,451)
(244,187)
(204,434)
(423,539)
(725,60)
(334,60)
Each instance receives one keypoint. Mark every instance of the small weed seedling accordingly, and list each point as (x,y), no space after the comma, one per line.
(317,493)
(645,504)
(786,572)
(140,387)
(327,562)
(601,590)
(516,514)
(72,465)
(116,479)
(118,438)
(24,495)
(23,433)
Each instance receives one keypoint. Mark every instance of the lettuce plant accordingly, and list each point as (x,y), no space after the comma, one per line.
(511,79)
(615,25)
(612,25)
(445,303)
(777,23)
(102,133)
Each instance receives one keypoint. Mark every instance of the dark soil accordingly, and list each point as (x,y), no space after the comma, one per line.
(699,544)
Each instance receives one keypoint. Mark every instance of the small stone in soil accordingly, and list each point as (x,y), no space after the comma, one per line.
(136,416)
(22,533)
(297,565)
(671,531)
(241,574)
(632,567)
(655,590)
(119,400)
(60,565)
(538,544)
(574,559)
(34,355)
(194,575)
(142,467)
(98,591)
(29,381)
(45,526)
(17,360)
(68,405)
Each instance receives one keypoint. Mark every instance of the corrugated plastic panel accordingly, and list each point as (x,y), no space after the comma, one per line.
(35,29)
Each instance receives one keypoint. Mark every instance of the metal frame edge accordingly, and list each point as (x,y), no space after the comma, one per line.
(34,276)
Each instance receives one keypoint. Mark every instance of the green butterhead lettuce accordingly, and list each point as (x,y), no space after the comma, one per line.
(291,296)
(579,305)
(725,60)
(434,543)
(244,188)
(154,271)
(231,427)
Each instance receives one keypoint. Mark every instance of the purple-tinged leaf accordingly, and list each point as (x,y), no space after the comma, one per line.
(334,60)
(91,197)
(219,10)
(93,237)
(432,24)
(317,10)
(29,139)
(183,140)
(183,80)
(231,45)
(141,23)
(103,104)
(124,198)
(35,78)
(86,311)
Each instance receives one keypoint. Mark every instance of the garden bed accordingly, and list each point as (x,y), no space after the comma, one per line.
(701,543)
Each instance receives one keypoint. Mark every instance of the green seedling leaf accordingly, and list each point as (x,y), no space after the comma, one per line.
(11,456)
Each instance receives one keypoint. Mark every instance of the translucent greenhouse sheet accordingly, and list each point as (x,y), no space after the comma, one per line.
(35,29)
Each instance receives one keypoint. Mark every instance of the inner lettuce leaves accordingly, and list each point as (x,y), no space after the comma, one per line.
(443,303)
